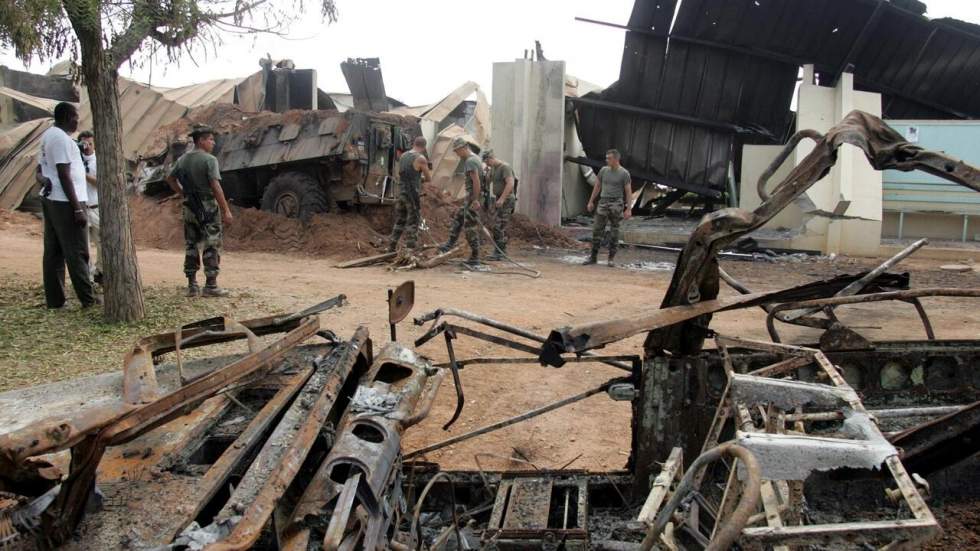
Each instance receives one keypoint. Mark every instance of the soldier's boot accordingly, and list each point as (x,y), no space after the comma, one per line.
(193,289)
(593,256)
(499,253)
(611,262)
(446,247)
(211,288)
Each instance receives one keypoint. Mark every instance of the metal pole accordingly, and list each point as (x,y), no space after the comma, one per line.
(421,320)
(512,421)
(391,294)
(859,285)
(460,399)
(879,413)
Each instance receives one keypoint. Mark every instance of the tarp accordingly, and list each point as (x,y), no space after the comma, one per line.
(19,149)
(44,104)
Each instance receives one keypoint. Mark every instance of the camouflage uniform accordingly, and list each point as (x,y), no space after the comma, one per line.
(206,235)
(505,212)
(466,219)
(407,209)
(202,217)
(607,212)
(610,210)
(455,229)
(501,221)
(471,220)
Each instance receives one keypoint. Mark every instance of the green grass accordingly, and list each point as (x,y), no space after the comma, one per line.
(38,345)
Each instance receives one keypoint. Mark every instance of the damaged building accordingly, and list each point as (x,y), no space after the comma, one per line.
(285,432)
(285,145)
(703,103)
(294,440)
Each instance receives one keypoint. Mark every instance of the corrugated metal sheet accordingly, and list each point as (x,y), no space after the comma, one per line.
(205,93)
(725,73)
(366,84)
(44,104)
(18,162)
(143,110)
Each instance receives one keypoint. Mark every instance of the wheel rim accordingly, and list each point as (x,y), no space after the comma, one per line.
(287,204)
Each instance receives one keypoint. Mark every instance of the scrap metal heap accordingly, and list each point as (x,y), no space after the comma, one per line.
(298,446)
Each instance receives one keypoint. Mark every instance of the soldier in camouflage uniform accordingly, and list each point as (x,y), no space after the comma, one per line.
(615,193)
(467,215)
(196,179)
(456,226)
(504,186)
(408,210)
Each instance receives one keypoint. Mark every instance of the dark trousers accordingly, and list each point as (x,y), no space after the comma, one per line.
(65,242)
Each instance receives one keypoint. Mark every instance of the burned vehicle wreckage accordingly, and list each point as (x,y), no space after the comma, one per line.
(297,446)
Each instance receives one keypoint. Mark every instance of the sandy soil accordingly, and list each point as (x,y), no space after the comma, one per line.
(597,429)
(593,434)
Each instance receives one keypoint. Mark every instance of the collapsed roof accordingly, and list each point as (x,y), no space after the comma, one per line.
(701,76)
(277,87)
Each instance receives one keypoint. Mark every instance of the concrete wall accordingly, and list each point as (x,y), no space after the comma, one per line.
(852,186)
(528,121)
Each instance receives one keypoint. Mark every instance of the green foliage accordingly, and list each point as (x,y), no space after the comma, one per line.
(38,345)
(47,29)
(35,28)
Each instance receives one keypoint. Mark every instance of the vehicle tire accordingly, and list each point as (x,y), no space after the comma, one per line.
(294,195)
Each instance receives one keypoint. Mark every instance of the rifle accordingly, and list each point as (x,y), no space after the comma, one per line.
(193,199)
(486,181)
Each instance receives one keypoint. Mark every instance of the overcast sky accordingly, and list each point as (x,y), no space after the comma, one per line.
(428,47)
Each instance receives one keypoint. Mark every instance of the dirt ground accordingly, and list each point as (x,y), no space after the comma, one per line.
(593,434)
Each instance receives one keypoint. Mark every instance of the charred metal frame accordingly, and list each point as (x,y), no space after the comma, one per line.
(450,332)
(87,453)
(91,432)
(696,277)
(829,304)
(360,480)
(780,501)
(283,453)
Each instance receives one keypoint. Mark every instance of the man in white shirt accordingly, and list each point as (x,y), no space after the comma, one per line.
(86,141)
(65,212)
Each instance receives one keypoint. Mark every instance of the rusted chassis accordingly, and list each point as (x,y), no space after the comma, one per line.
(91,432)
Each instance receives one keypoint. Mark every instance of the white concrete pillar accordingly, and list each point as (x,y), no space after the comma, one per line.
(528,131)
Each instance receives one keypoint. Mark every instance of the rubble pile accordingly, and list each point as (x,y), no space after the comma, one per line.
(839,443)
(344,235)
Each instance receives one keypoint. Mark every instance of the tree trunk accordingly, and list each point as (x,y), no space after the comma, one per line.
(121,276)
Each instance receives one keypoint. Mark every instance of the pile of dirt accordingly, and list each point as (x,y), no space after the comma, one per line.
(342,235)
(159,225)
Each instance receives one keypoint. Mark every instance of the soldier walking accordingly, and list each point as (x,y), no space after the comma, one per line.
(614,191)
(504,187)
(468,213)
(196,179)
(412,166)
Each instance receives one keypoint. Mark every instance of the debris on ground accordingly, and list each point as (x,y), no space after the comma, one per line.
(299,446)
(342,235)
